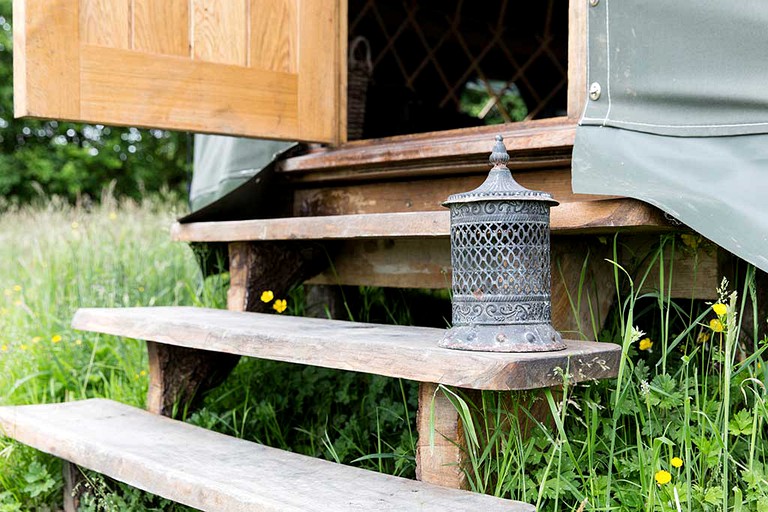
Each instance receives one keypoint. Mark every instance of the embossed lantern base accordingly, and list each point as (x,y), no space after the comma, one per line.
(500,253)
(503,338)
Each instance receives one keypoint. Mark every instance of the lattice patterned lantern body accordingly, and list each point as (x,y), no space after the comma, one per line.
(500,252)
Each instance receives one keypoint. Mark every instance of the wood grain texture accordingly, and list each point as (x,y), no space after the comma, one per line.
(394,351)
(220,31)
(46,83)
(545,142)
(274,35)
(210,471)
(425,194)
(688,273)
(583,286)
(577,57)
(106,23)
(390,262)
(161,27)
(320,95)
(576,217)
(439,463)
(216,97)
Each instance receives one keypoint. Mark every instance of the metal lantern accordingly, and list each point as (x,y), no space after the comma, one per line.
(501,271)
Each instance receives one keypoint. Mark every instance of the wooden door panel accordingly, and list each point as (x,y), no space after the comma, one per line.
(262,68)
(161,27)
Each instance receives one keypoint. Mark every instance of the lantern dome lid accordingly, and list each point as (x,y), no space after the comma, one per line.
(500,185)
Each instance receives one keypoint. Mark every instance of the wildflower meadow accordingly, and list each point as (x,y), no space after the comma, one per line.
(680,429)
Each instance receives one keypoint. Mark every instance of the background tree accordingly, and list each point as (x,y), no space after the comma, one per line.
(74,160)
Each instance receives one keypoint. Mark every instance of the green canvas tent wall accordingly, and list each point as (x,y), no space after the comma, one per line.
(678,114)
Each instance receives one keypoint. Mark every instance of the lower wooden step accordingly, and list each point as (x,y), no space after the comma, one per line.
(211,471)
(390,350)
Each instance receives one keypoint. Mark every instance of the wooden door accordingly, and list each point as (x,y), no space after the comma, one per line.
(261,68)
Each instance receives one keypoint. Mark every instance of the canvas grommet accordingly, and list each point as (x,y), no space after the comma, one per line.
(594,91)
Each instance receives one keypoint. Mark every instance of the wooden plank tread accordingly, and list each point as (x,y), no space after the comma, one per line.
(212,471)
(390,350)
(577,217)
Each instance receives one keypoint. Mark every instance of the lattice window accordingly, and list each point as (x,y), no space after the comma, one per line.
(463,63)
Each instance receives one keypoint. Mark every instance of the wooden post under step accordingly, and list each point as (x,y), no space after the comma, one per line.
(444,463)
(180,376)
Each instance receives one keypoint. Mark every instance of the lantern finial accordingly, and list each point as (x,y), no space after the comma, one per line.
(499,155)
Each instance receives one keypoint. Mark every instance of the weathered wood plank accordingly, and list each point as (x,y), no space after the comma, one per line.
(211,471)
(580,217)
(418,195)
(545,142)
(439,463)
(393,351)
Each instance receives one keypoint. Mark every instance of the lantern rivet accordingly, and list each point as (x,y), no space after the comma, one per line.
(501,265)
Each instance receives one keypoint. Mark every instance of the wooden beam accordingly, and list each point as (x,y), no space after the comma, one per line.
(179,376)
(545,142)
(577,58)
(578,217)
(441,462)
(420,195)
(211,471)
(389,350)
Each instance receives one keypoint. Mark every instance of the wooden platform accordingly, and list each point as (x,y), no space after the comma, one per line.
(568,218)
(211,471)
(394,351)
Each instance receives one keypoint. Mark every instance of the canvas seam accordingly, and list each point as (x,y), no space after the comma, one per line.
(618,121)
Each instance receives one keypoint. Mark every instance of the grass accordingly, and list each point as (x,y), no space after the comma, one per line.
(681,428)
(55,258)
(698,394)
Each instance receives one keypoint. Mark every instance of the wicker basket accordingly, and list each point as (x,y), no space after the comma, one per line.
(358,78)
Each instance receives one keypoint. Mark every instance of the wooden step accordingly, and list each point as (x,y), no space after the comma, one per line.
(211,471)
(394,351)
(568,218)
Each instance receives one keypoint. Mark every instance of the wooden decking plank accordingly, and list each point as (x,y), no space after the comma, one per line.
(394,351)
(578,217)
(211,471)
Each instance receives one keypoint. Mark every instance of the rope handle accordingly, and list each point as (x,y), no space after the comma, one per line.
(361,43)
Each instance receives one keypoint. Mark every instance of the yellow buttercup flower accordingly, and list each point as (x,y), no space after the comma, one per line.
(4,348)
(280,305)
(716,325)
(37,339)
(646,344)
(75,225)
(55,338)
(112,215)
(267,296)
(143,373)
(23,347)
(78,341)
(17,288)
(720,309)
(676,462)
(663,477)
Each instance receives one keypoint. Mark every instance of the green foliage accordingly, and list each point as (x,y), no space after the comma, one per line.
(696,394)
(73,160)
(118,254)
